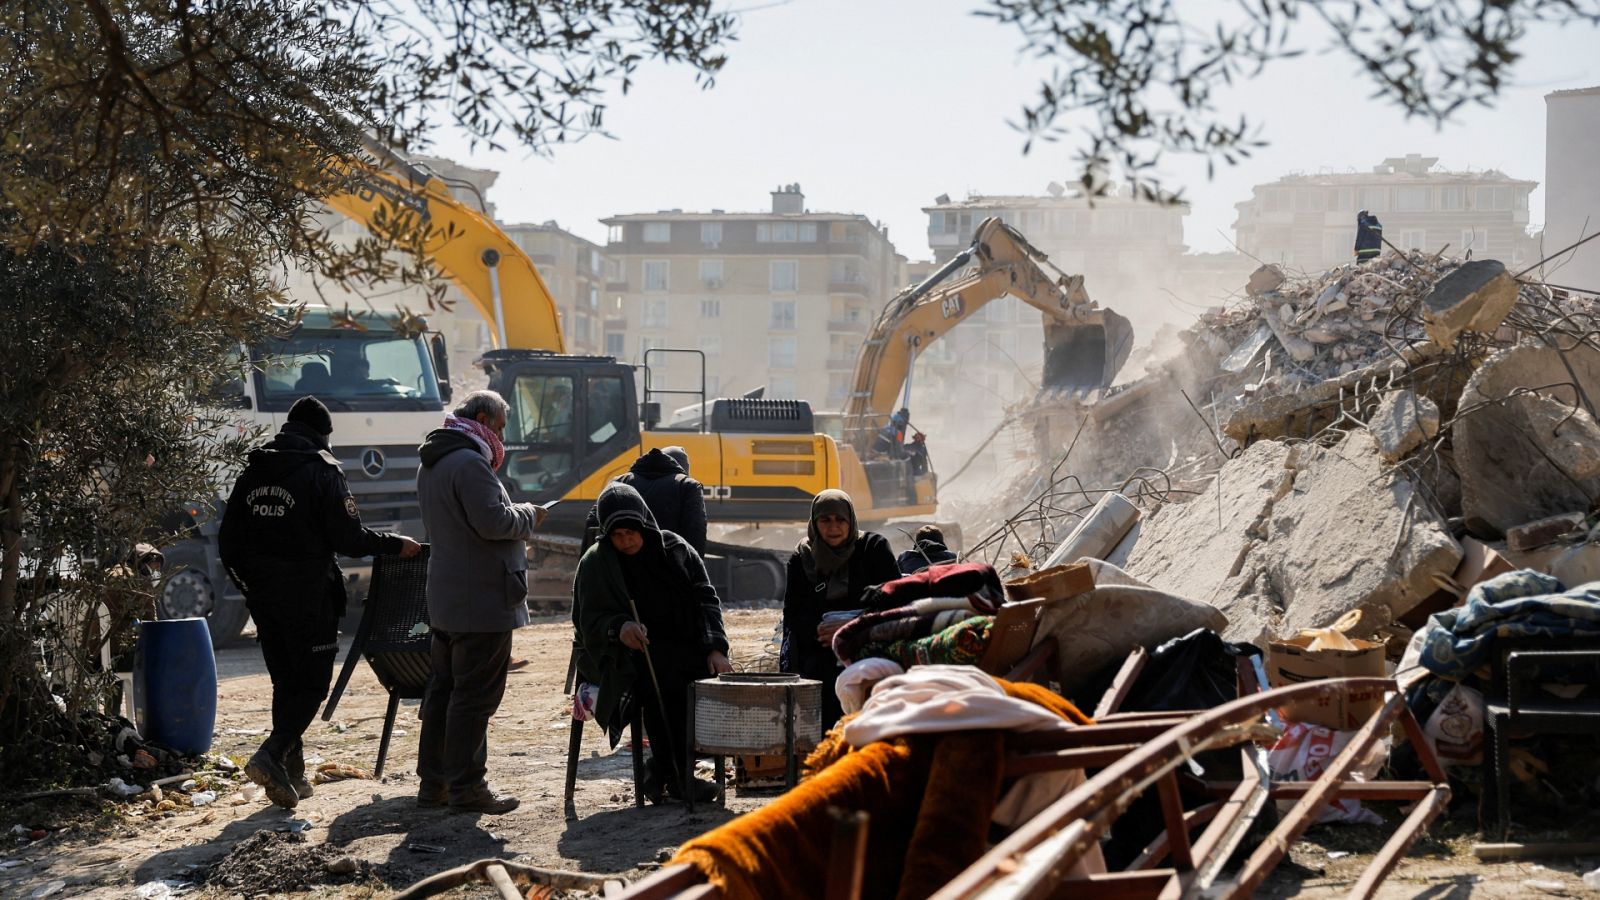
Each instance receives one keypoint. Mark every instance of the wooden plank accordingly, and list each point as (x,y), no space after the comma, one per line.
(1122,685)
(1535,850)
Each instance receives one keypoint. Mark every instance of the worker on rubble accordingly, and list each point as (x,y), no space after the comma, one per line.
(830,569)
(289,514)
(1369,236)
(649,624)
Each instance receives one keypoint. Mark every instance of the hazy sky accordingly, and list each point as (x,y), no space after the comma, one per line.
(878,107)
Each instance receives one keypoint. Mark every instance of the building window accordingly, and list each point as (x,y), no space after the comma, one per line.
(780,388)
(936,222)
(1413,239)
(613,270)
(711,233)
(1272,200)
(782,315)
(783,275)
(1308,200)
(655,312)
(1411,199)
(1338,246)
(1494,198)
(781,352)
(594,296)
(710,308)
(779,232)
(1475,239)
(711,272)
(808,232)
(1373,199)
(1003,310)
(657,232)
(1339,199)
(655,275)
(616,343)
(614,234)
(1452,198)
(711,344)
(657,363)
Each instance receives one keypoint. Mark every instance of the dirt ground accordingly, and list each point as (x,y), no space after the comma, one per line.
(385,842)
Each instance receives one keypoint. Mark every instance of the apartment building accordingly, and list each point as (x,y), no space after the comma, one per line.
(574,270)
(1308,222)
(1572,191)
(781,298)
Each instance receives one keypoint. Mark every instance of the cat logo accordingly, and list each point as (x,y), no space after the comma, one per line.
(951,306)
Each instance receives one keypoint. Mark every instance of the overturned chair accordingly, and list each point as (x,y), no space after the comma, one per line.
(393,637)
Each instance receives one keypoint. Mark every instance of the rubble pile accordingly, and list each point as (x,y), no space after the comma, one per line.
(1325,443)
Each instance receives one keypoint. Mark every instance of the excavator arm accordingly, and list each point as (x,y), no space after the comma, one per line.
(469,249)
(1085,346)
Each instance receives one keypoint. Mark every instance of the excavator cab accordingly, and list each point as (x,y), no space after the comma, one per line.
(1081,360)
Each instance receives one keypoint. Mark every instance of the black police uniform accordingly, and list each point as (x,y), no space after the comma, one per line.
(289,514)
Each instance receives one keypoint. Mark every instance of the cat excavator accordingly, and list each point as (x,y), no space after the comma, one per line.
(1084,348)
(576,421)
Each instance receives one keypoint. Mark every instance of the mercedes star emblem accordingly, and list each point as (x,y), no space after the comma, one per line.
(372,462)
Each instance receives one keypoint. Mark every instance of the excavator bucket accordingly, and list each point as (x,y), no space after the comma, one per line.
(1081,359)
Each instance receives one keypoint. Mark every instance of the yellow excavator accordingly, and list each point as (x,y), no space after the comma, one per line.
(1085,346)
(575,421)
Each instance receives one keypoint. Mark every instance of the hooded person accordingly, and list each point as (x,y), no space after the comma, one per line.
(828,572)
(929,550)
(288,519)
(649,623)
(675,498)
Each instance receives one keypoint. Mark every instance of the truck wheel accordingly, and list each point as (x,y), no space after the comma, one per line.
(190,594)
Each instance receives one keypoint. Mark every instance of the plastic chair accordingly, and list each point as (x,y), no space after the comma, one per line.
(398,652)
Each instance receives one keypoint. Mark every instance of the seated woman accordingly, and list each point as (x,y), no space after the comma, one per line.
(827,573)
(642,602)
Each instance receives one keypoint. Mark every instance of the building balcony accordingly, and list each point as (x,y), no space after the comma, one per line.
(843,361)
(856,286)
(845,325)
(616,287)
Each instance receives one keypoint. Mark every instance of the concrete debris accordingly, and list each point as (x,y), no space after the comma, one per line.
(1545,531)
(1267,278)
(1402,422)
(1526,443)
(1306,534)
(1476,297)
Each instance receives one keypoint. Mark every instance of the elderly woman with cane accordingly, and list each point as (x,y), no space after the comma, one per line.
(649,623)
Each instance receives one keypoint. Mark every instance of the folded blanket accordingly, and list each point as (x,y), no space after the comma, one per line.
(899,624)
(961,644)
(978,581)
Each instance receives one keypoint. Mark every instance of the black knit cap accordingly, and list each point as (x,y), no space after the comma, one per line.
(310,412)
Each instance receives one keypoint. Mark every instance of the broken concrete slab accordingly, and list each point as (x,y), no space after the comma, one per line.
(1267,278)
(1402,422)
(1542,532)
(1475,297)
(1308,533)
(1526,442)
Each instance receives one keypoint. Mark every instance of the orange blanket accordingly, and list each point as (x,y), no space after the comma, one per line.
(929,798)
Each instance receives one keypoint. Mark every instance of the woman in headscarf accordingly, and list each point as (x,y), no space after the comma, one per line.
(828,572)
(649,623)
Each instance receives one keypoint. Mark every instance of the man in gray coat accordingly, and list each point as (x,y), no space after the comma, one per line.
(477,595)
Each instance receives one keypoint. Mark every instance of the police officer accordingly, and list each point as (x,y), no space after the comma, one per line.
(289,514)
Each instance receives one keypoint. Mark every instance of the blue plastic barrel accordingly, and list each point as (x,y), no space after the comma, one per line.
(175,684)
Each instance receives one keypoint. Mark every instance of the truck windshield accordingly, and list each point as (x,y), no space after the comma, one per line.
(346,369)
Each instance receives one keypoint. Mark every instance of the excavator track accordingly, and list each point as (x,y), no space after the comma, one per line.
(744,576)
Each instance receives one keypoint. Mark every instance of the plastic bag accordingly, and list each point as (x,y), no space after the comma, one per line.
(1455,729)
(1303,754)
(583,701)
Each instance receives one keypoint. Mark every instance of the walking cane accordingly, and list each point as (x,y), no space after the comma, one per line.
(660,701)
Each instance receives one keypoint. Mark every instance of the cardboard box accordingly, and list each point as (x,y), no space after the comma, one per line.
(1293,662)
(1479,562)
